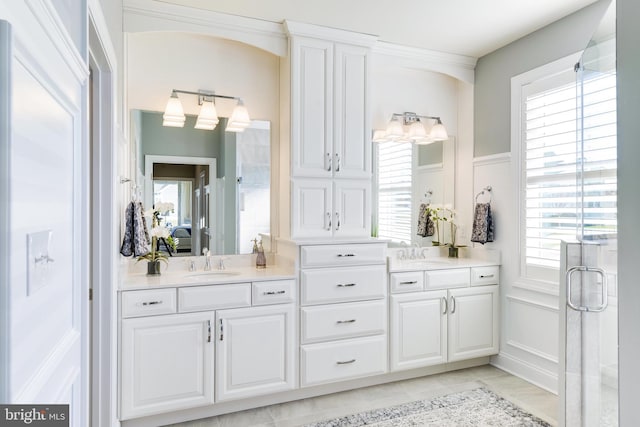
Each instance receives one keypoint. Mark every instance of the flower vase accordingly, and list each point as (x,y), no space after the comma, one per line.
(153,268)
(453,252)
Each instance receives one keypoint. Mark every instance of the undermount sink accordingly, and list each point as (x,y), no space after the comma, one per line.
(211,274)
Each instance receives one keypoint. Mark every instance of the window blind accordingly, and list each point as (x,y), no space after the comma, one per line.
(394,190)
(559,125)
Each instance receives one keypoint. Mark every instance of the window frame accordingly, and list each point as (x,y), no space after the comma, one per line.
(541,279)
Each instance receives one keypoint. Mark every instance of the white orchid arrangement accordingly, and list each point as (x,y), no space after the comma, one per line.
(158,231)
(443,214)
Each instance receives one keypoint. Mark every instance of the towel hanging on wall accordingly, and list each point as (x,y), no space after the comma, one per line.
(136,236)
(425,223)
(482,231)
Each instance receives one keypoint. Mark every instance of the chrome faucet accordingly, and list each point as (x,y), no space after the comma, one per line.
(207,259)
(221,264)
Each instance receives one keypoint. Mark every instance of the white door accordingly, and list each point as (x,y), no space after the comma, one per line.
(473,322)
(167,363)
(352,208)
(588,386)
(311,211)
(44,245)
(311,107)
(255,351)
(352,141)
(418,329)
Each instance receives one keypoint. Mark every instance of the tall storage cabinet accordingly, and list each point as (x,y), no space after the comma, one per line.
(330,133)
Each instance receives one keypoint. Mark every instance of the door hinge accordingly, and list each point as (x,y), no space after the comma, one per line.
(90,294)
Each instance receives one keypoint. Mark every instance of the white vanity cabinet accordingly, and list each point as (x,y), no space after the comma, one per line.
(192,346)
(330,144)
(343,314)
(166,363)
(255,351)
(329,108)
(457,320)
(330,208)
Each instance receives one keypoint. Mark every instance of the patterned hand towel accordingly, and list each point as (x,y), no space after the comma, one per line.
(425,223)
(482,231)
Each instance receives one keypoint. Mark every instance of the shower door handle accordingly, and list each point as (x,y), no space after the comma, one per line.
(604,291)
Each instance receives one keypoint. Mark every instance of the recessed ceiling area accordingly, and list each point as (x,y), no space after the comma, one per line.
(466,27)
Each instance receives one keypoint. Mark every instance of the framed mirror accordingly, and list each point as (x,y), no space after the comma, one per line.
(407,176)
(217,181)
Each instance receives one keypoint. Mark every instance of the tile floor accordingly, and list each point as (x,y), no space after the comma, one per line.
(529,397)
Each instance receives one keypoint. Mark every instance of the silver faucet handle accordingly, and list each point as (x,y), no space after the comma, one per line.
(192,265)
(221,265)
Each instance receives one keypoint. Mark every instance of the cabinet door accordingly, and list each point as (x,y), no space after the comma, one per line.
(352,139)
(352,208)
(167,363)
(255,352)
(311,213)
(473,322)
(418,329)
(311,107)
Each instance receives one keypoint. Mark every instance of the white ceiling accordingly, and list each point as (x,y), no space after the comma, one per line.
(466,27)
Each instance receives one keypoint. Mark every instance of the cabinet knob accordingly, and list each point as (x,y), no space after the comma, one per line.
(453,305)
(152,302)
(329,219)
(486,276)
(345,255)
(412,282)
(346,362)
(346,285)
(337,221)
(346,321)
(274,292)
(329,162)
(337,162)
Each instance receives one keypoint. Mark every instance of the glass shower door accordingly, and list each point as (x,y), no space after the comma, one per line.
(589,354)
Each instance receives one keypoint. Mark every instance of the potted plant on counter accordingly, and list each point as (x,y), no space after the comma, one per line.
(157,232)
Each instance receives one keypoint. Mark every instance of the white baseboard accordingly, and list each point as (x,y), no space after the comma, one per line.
(528,372)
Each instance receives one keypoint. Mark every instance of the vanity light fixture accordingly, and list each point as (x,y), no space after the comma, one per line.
(208,116)
(415,129)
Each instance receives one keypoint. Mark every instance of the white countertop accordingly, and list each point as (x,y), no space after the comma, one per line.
(180,278)
(438,264)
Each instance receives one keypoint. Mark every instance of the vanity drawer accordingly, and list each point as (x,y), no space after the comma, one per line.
(337,255)
(485,275)
(450,278)
(214,297)
(327,322)
(342,360)
(410,281)
(148,302)
(322,286)
(274,292)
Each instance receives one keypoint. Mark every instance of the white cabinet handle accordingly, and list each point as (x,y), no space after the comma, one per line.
(346,362)
(446,306)
(329,162)
(221,330)
(453,305)
(329,219)
(346,321)
(208,330)
(337,221)
(345,255)
(152,302)
(337,162)
(346,285)
(412,282)
(486,276)
(274,292)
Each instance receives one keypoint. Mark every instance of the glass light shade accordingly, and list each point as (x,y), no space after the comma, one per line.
(438,132)
(417,131)
(173,113)
(394,129)
(239,119)
(380,136)
(208,117)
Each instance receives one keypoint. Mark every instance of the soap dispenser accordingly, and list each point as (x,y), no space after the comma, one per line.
(261,260)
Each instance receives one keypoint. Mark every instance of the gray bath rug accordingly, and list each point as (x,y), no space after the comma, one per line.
(478,407)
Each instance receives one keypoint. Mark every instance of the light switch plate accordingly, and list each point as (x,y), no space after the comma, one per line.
(39,261)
